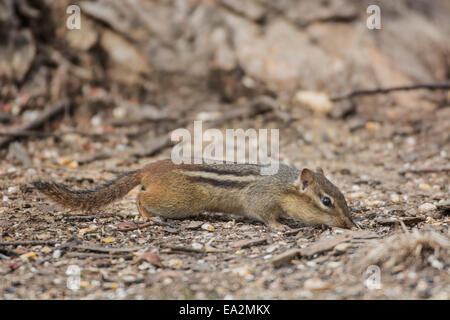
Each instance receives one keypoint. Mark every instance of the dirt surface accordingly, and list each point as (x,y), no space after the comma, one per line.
(389,154)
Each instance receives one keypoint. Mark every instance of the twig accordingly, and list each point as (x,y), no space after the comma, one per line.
(248,243)
(83,255)
(158,144)
(28,243)
(35,133)
(102,249)
(286,257)
(38,122)
(136,227)
(292,232)
(192,250)
(425,170)
(90,217)
(365,92)
(258,105)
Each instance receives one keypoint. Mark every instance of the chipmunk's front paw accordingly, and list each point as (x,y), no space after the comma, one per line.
(275,226)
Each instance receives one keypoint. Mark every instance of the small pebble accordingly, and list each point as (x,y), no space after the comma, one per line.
(110,285)
(96,120)
(208,227)
(56,254)
(374,203)
(317,101)
(435,263)
(411,141)
(73,165)
(144,266)
(315,284)
(372,126)
(272,248)
(412,212)
(395,198)
(27,256)
(229,225)
(355,195)
(424,186)
(242,271)
(174,263)
(430,220)
(426,207)
(46,250)
(334,264)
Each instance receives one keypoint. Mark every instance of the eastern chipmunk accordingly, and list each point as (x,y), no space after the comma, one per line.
(184,190)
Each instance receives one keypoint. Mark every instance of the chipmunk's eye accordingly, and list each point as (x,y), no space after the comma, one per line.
(326,202)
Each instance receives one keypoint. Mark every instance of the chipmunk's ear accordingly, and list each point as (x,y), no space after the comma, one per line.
(320,170)
(306,178)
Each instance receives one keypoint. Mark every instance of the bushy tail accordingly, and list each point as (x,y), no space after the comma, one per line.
(88,200)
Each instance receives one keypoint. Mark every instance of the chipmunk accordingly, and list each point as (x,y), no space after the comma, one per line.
(184,190)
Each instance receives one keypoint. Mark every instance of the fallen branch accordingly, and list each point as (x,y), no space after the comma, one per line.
(37,123)
(157,144)
(248,243)
(366,92)
(90,217)
(36,133)
(425,170)
(286,257)
(102,249)
(258,105)
(84,255)
(28,243)
(129,227)
(192,250)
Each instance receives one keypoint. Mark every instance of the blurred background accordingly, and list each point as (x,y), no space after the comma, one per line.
(137,69)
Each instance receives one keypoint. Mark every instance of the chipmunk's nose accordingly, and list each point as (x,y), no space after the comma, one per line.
(348,223)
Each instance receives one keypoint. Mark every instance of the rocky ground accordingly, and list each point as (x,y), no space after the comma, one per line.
(403,216)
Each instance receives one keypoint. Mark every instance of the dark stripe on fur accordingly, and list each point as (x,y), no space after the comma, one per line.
(242,172)
(220,183)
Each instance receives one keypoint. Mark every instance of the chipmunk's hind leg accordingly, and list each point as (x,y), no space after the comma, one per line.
(155,201)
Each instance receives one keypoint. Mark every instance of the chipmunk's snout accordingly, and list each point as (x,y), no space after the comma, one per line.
(348,223)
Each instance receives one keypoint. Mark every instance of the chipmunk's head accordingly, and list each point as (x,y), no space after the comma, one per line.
(323,202)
